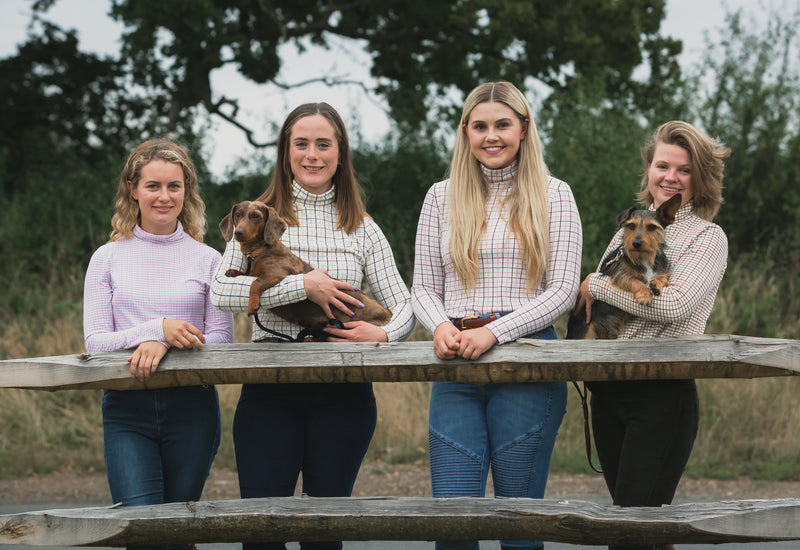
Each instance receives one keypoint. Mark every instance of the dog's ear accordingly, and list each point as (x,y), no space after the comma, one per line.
(668,209)
(226,225)
(274,226)
(624,216)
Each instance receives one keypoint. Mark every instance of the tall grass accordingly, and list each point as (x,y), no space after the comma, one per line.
(748,427)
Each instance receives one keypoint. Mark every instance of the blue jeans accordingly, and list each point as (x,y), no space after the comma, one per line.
(510,426)
(159,444)
(323,430)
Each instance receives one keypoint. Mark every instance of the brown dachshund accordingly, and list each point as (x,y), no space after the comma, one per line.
(258,228)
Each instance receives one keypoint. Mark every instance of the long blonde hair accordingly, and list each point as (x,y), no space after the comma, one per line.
(526,204)
(350,208)
(193,214)
(706,155)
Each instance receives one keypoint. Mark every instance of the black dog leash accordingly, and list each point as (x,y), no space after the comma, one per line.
(317,334)
(587,436)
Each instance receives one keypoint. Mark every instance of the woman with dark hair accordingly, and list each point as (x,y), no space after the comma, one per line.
(148,289)
(644,430)
(322,430)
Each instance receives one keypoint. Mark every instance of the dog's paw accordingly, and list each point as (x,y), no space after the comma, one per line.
(233,273)
(643,297)
(655,289)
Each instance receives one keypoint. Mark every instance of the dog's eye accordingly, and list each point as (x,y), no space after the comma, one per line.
(653,227)
(631,226)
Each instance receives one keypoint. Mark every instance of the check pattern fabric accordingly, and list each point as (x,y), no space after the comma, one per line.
(438,294)
(133,284)
(698,253)
(362,258)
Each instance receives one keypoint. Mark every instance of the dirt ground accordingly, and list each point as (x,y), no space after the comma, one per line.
(378,479)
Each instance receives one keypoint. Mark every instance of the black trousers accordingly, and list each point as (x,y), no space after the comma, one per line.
(644,432)
(323,430)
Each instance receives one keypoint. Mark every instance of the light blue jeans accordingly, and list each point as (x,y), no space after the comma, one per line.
(511,427)
(159,444)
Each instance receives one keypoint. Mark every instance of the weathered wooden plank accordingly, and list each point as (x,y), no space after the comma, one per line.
(385,518)
(707,356)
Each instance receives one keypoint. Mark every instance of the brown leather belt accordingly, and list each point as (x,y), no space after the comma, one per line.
(475,321)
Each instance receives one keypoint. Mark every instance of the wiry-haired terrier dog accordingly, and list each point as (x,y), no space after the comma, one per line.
(639,266)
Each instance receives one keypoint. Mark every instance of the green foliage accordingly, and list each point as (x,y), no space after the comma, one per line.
(395,175)
(593,145)
(747,94)
(419,51)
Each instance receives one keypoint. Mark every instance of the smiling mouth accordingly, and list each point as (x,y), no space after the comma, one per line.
(493,150)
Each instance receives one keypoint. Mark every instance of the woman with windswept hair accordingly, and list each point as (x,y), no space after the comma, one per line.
(498,255)
(148,289)
(644,430)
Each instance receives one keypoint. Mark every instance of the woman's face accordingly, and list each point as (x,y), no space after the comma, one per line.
(670,172)
(160,192)
(313,153)
(494,132)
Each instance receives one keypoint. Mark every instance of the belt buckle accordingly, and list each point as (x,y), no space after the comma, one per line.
(467,318)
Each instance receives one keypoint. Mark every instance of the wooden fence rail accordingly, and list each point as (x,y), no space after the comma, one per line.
(386,518)
(708,356)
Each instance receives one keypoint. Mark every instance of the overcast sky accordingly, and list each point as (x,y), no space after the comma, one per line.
(263,105)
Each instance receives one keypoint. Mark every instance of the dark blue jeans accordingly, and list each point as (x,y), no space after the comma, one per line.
(159,444)
(323,430)
(511,427)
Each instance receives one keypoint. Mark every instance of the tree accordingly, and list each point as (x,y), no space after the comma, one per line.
(421,50)
(746,92)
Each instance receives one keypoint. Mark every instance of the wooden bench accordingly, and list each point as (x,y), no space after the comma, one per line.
(388,518)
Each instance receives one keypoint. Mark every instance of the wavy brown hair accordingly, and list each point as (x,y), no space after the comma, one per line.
(126,216)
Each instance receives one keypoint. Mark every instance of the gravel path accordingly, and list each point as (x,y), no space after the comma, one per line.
(379,479)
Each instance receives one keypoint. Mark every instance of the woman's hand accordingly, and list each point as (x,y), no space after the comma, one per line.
(326,291)
(475,342)
(356,331)
(144,360)
(182,335)
(585,299)
(446,339)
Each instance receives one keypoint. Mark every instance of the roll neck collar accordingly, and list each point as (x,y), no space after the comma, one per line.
(497,176)
(174,237)
(301,196)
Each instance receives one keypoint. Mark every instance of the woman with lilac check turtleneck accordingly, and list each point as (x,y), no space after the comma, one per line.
(147,290)
(498,257)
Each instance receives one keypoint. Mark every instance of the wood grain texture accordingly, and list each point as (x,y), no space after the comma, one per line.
(707,356)
(386,518)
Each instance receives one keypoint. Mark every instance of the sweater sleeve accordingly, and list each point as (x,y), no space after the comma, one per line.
(385,282)
(562,277)
(99,331)
(694,275)
(218,323)
(427,292)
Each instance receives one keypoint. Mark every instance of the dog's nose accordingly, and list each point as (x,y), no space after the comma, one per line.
(238,234)
(637,244)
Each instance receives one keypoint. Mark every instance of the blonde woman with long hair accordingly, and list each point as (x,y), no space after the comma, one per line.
(498,256)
